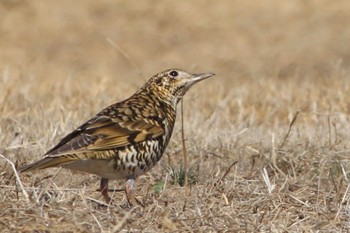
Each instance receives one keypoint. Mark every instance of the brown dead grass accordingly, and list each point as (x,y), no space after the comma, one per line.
(272,59)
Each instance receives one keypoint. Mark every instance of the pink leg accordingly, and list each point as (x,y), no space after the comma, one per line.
(104,190)
(129,186)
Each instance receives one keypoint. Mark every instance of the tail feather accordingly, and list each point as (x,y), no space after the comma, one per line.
(46,163)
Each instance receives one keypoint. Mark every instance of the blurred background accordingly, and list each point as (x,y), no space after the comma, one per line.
(271,58)
(63,61)
(235,39)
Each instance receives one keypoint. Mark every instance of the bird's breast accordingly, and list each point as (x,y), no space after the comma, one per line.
(137,159)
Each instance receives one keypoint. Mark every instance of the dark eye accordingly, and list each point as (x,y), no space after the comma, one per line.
(174,73)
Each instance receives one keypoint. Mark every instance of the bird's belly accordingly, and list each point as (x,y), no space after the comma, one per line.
(126,163)
(100,167)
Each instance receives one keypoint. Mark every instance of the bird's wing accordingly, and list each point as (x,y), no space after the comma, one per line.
(103,133)
(98,134)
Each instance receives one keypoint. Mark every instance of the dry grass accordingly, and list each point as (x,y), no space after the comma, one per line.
(272,59)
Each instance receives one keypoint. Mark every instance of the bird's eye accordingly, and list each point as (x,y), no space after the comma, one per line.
(174,73)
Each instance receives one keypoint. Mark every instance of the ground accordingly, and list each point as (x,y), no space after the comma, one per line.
(268,137)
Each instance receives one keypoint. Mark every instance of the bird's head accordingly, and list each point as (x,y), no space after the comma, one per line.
(171,85)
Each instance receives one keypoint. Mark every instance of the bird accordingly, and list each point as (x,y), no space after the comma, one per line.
(126,139)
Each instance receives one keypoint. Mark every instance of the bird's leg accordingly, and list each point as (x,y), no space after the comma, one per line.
(104,190)
(129,186)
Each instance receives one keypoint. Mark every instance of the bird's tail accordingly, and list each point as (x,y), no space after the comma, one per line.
(46,163)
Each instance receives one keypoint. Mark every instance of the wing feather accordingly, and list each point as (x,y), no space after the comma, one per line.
(104,133)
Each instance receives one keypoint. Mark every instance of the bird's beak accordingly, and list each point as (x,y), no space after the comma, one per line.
(200,77)
(194,78)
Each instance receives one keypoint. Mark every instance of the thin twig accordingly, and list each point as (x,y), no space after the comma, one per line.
(96,201)
(184,150)
(274,155)
(17,178)
(226,173)
(273,150)
(335,132)
(329,129)
(121,223)
(126,56)
(290,128)
(265,175)
(96,220)
(343,200)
